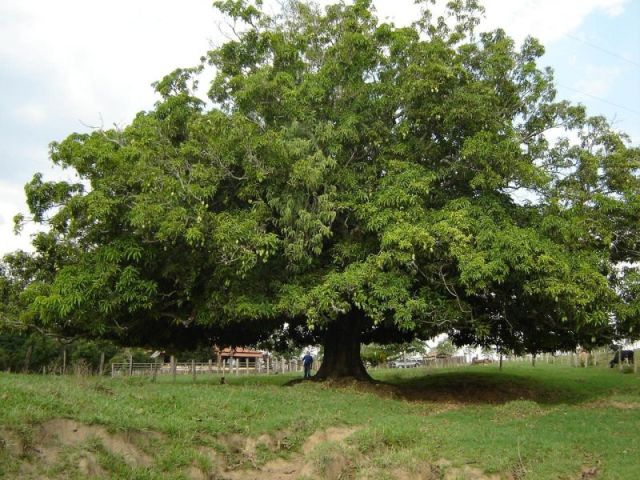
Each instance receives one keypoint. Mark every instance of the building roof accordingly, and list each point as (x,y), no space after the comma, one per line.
(239,352)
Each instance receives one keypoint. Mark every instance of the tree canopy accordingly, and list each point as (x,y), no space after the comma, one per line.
(354,181)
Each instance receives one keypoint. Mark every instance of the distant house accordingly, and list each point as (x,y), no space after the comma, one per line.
(231,355)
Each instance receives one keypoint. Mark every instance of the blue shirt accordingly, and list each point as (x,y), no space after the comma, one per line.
(307,360)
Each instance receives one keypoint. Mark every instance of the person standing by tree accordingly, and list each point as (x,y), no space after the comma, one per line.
(307,362)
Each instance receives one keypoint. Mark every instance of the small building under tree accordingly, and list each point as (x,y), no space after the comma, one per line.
(229,355)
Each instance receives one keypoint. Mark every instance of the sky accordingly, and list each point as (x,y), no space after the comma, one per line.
(70,65)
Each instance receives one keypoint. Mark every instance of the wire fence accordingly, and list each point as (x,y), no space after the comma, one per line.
(235,367)
(274,365)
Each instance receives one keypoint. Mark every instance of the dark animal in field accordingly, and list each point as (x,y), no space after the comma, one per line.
(627,355)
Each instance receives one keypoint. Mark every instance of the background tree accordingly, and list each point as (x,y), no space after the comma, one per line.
(445,348)
(353,180)
(376,353)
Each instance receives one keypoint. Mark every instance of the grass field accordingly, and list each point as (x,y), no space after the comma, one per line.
(547,422)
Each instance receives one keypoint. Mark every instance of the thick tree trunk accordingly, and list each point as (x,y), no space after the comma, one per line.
(341,345)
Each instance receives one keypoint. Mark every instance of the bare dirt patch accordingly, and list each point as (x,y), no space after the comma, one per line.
(63,432)
(468,473)
(12,443)
(422,471)
(588,473)
(88,466)
(70,443)
(325,455)
(334,434)
(302,464)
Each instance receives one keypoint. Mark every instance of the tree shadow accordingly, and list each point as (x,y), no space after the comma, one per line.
(489,388)
(470,386)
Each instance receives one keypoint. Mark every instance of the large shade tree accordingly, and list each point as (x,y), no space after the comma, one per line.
(350,180)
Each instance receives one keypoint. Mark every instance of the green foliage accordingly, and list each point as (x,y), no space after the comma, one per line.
(33,351)
(90,352)
(378,354)
(349,169)
(137,355)
(16,349)
(445,348)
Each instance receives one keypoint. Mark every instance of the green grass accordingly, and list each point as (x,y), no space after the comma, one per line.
(545,422)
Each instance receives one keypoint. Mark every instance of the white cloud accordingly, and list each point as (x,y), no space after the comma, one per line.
(598,80)
(11,203)
(100,57)
(31,114)
(547,20)
(103,56)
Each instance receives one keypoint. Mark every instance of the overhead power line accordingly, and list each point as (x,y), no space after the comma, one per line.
(635,112)
(609,52)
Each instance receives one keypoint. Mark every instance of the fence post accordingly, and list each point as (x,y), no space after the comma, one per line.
(210,366)
(154,370)
(173,367)
(246,366)
(193,367)
(635,361)
(113,370)
(27,359)
(130,364)
(620,359)
(64,361)
(268,364)
(101,371)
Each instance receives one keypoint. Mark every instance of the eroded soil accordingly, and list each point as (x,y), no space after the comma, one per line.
(64,448)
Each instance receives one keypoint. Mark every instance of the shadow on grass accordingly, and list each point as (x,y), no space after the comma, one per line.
(494,387)
(459,387)
(484,385)
(479,387)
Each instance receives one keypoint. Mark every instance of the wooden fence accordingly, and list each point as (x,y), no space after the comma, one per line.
(595,358)
(598,358)
(175,368)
